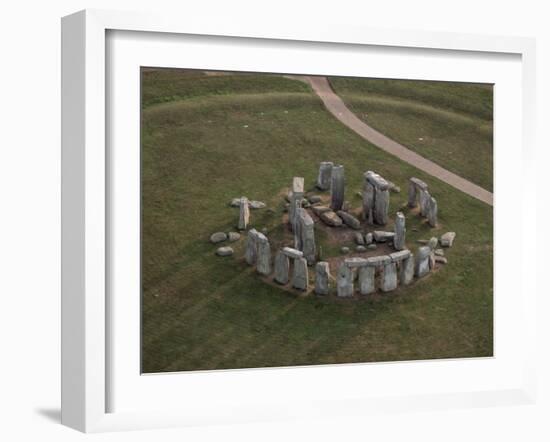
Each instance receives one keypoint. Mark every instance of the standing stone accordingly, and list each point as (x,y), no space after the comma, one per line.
(422,261)
(367,280)
(325,174)
(412,194)
(407,270)
(389,277)
(369,238)
(244,213)
(337,187)
(282,268)
(368,201)
(306,231)
(359,238)
(381,206)
(399,238)
(250,254)
(296,197)
(344,281)
(300,275)
(263,262)
(432,212)
(322,276)
(424,200)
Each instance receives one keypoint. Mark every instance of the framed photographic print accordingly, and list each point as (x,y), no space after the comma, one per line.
(264,224)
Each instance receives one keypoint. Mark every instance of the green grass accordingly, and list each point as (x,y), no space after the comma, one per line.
(449,123)
(201,311)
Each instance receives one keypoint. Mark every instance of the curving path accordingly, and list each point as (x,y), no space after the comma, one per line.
(336,107)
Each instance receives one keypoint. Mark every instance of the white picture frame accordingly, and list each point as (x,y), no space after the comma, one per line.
(86,316)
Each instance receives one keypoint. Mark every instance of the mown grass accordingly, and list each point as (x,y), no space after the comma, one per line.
(202,312)
(449,123)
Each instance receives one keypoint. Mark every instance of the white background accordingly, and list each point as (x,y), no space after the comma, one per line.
(30,220)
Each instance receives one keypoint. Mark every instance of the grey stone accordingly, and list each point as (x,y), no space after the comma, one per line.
(371,247)
(344,250)
(376,261)
(423,200)
(376,180)
(224,251)
(349,220)
(234,236)
(381,206)
(313,199)
(331,219)
(368,202)
(235,202)
(447,239)
(439,252)
(389,277)
(432,212)
(244,214)
(419,183)
(406,274)
(355,262)
(399,239)
(325,175)
(282,268)
(359,238)
(292,253)
(322,278)
(441,259)
(300,274)
(369,238)
(306,232)
(318,210)
(360,249)
(422,261)
(218,237)
(337,187)
(256,205)
(251,251)
(296,196)
(367,280)
(400,256)
(383,236)
(432,243)
(263,262)
(344,281)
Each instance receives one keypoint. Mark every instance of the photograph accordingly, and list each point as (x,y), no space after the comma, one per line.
(294,220)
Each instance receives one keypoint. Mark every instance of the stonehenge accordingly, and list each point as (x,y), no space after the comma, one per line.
(325,175)
(356,273)
(376,198)
(337,187)
(419,196)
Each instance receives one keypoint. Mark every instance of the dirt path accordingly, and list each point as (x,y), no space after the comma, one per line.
(336,107)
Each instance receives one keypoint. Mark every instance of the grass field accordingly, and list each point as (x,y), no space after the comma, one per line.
(449,123)
(207,139)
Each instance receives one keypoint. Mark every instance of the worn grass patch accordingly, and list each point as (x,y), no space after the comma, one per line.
(202,312)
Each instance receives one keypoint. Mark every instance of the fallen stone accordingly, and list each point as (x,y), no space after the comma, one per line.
(322,278)
(292,253)
(433,242)
(383,236)
(244,214)
(447,239)
(369,238)
(359,239)
(371,247)
(439,252)
(256,204)
(318,210)
(331,219)
(224,251)
(234,236)
(218,237)
(344,250)
(360,249)
(300,274)
(349,220)
(314,199)
(441,259)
